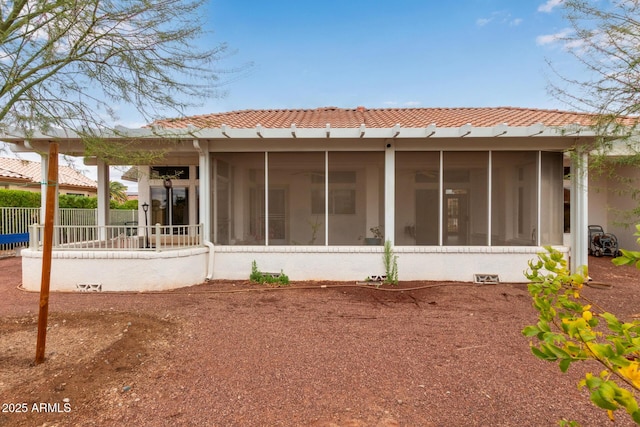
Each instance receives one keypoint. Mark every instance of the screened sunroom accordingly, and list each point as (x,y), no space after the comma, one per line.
(441,198)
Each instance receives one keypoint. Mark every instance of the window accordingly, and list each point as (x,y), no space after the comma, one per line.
(417,198)
(514,198)
(241,206)
(173,172)
(175,213)
(552,199)
(356,196)
(342,194)
(465,205)
(223,189)
(294,217)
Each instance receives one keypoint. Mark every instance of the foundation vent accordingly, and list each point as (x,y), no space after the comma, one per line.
(486,279)
(89,287)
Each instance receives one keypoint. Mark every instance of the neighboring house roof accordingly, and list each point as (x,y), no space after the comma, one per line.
(25,170)
(6,173)
(381,118)
(131,174)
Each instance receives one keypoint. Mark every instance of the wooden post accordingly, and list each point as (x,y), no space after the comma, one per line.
(52,179)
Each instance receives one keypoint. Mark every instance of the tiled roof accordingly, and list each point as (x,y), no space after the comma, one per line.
(30,171)
(6,173)
(381,118)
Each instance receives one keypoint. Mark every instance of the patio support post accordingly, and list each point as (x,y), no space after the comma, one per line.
(103,199)
(579,210)
(389,192)
(204,160)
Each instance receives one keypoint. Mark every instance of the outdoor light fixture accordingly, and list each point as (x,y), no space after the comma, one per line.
(167,183)
(145,208)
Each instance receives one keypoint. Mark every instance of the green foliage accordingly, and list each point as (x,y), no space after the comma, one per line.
(265,278)
(77,202)
(118,192)
(567,423)
(603,38)
(572,329)
(129,205)
(390,264)
(19,199)
(255,275)
(29,199)
(630,257)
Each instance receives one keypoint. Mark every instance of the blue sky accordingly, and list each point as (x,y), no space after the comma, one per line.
(381,53)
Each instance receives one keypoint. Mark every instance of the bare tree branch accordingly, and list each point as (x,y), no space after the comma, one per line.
(68,63)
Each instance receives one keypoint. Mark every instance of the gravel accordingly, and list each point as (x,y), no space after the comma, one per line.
(312,354)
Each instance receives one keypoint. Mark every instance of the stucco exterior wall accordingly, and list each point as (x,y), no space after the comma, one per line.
(610,202)
(359,262)
(117,270)
(111,271)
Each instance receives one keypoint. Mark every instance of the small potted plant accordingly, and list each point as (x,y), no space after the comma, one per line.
(378,235)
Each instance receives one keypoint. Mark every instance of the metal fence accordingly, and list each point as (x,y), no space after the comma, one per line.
(15,222)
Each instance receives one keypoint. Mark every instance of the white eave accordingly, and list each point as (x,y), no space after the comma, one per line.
(294,132)
(395,132)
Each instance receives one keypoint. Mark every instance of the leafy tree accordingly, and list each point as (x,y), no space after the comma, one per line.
(604,38)
(572,329)
(118,191)
(70,63)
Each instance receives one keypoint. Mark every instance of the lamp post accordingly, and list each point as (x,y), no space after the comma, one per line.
(145,208)
(167,185)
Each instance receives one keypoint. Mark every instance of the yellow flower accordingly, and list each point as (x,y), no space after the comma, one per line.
(587,315)
(632,373)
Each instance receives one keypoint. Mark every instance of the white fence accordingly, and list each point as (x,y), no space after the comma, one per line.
(15,222)
(119,237)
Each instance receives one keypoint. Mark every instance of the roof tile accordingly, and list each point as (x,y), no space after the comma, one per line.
(28,170)
(381,118)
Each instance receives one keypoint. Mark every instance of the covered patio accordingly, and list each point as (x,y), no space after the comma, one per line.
(457,192)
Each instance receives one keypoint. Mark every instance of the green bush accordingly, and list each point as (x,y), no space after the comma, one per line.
(129,204)
(572,329)
(77,202)
(259,277)
(29,199)
(19,199)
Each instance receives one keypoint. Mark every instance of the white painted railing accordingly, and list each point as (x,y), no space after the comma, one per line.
(14,226)
(15,221)
(18,220)
(119,237)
